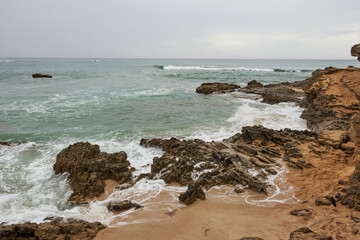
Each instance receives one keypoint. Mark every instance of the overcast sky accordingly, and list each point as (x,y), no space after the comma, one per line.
(269,29)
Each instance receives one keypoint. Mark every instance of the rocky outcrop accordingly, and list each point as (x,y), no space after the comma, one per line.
(305,233)
(89,168)
(245,159)
(355,51)
(207,88)
(193,192)
(332,97)
(117,206)
(56,228)
(39,75)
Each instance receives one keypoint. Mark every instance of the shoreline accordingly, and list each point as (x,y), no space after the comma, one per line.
(318,165)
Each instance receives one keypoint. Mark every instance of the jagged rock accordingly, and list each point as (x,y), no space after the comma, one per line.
(55,229)
(239,190)
(4,143)
(122,205)
(89,168)
(302,212)
(193,192)
(254,84)
(277,95)
(355,51)
(207,88)
(39,75)
(305,233)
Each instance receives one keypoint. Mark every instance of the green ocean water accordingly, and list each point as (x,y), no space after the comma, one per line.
(115,103)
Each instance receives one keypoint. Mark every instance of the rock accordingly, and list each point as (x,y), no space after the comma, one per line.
(320,201)
(39,75)
(4,143)
(331,98)
(193,192)
(89,168)
(207,88)
(305,233)
(355,215)
(277,95)
(254,84)
(355,51)
(239,190)
(301,212)
(122,205)
(251,238)
(55,229)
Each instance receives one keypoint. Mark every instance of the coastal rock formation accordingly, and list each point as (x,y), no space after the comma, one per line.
(193,192)
(55,229)
(89,168)
(122,205)
(332,97)
(245,159)
(305,233)
(216,87)
(271,94)
(4,143)
(39,75)
(355,51)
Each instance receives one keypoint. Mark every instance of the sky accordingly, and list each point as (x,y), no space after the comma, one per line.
(241,29)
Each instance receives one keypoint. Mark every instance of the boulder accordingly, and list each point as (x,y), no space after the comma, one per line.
(89,168)
(207,88)
(355,51)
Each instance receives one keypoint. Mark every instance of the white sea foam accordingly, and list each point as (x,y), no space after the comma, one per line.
(171,67)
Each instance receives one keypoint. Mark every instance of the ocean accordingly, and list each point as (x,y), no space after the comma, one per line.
(114,103)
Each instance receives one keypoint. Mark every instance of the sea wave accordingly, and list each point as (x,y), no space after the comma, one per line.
(215,68)
(6,61)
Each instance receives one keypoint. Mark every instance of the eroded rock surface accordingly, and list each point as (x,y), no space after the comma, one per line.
(355,51)
(207,88)
(89,168)
(55,229)
(193,192)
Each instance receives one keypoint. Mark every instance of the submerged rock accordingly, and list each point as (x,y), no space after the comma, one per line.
(39,75)
(89,168)
(301,212)
(207,88)
(122,205)
(4,143)
(193,192)
(55,229)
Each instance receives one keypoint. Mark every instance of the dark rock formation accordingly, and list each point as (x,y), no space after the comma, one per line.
(193,192)
(305,233)
(355,51)
(207,88)
(302,212)
(122,205)
(39,75)
(55,229)
(321,201)
(254,84)
(4,143)
(89,168)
